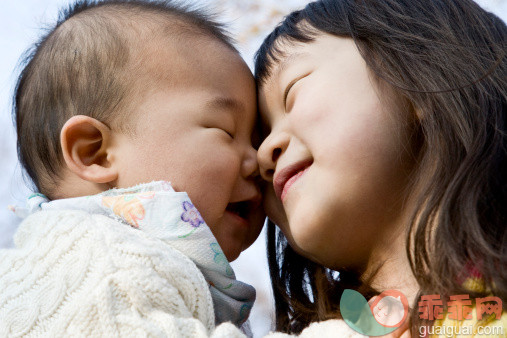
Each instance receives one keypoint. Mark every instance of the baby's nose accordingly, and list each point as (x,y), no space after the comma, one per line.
(250,166)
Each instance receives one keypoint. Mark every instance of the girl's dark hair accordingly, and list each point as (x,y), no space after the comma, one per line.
(447,57)
(90,63)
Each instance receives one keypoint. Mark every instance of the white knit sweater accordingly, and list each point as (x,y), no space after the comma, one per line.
(79,274)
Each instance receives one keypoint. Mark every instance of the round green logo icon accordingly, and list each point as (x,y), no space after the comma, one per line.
(384,314)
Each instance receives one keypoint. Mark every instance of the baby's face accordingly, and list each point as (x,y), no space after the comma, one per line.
(194,129)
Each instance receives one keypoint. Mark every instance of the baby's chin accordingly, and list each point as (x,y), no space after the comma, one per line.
(231,252)
(232,248)
(234,238)
(231,240)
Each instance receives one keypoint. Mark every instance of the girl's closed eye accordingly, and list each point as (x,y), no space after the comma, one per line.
(288,95)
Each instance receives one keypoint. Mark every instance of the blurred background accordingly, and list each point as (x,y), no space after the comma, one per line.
(23,21)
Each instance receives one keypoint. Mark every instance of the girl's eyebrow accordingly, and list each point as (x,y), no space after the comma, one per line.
(288,61)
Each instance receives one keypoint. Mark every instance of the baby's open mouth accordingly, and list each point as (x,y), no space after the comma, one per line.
(239,208)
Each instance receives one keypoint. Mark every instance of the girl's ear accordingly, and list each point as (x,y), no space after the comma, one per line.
(85,144)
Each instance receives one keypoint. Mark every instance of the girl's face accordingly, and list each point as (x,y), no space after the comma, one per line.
(337,155)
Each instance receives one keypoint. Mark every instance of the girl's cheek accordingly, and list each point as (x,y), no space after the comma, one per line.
(309,121)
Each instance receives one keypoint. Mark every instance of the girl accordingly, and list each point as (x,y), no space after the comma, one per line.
(386,148)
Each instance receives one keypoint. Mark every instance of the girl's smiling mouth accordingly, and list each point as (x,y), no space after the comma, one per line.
(288,176)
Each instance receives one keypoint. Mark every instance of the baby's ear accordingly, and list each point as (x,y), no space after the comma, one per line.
(85,144)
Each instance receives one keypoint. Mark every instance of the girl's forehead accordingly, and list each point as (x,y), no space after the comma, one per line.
(293,60)
(292,57)
(292,53)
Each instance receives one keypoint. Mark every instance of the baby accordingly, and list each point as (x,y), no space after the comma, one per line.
(115,102)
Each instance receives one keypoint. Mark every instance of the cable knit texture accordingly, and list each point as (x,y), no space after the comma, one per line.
(160,212)
(82,275)
(74,273)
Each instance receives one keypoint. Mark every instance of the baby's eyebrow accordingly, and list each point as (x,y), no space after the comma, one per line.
(225,103)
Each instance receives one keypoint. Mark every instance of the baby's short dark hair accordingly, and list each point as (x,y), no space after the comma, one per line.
(87,64)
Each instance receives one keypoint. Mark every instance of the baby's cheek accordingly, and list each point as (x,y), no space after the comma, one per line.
(222,169)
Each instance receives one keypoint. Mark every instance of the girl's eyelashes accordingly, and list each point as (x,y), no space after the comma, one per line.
(289,87)
(286,92)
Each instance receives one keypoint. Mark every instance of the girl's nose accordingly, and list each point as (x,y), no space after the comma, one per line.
(269,153)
